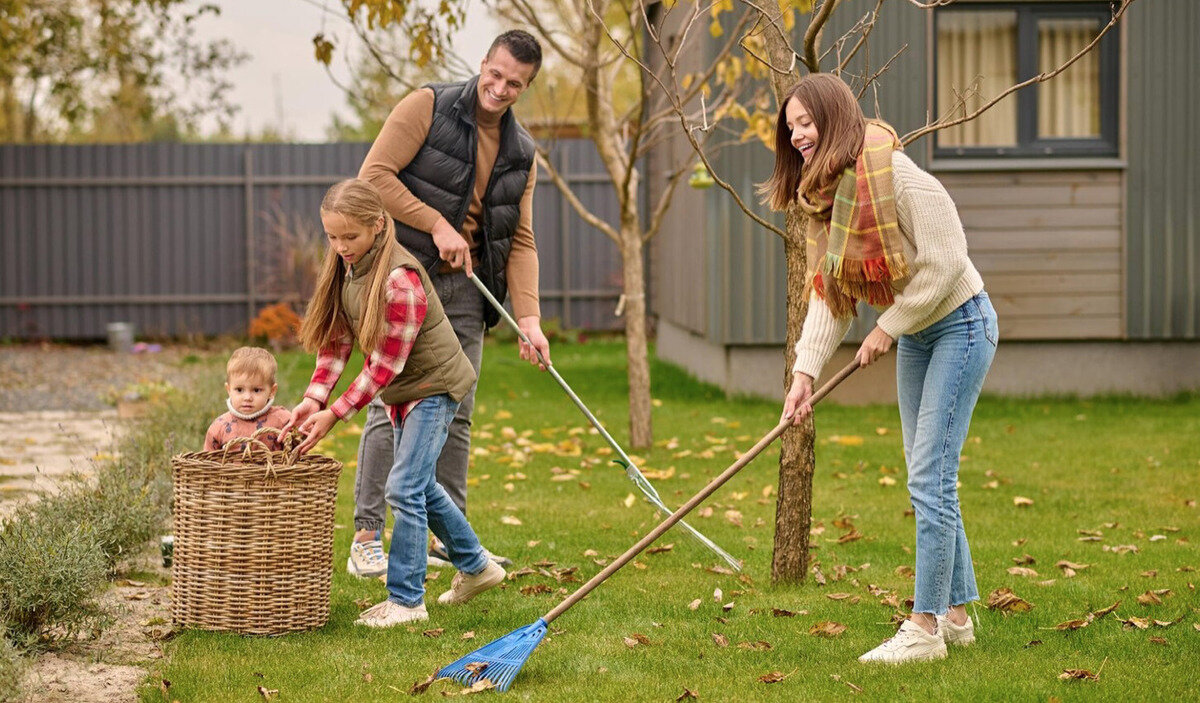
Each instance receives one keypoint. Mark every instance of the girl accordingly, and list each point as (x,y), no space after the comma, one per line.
(371,290)
(882,230)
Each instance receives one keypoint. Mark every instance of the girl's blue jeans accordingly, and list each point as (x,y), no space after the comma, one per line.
(419,503)
(939,373)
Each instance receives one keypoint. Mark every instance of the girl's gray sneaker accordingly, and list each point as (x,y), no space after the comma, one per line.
(961,635)
(367,559)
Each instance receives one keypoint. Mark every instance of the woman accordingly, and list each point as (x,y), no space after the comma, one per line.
(883,231)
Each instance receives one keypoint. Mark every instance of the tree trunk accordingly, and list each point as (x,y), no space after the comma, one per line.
(636,349)
(793,512)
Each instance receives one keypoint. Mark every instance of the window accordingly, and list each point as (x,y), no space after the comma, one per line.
(983,48)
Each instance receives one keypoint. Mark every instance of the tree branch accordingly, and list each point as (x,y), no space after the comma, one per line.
(576,204)
(812,35)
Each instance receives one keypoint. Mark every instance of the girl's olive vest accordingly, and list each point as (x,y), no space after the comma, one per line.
(436,363)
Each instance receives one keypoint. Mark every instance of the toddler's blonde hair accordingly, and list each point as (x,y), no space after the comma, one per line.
(255,362)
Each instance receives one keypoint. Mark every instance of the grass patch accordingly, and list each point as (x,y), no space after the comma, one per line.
(1124,468)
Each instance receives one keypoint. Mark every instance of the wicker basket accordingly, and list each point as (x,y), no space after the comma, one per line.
(253,539)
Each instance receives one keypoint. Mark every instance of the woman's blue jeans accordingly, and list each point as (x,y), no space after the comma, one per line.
(939,373)
(419,503)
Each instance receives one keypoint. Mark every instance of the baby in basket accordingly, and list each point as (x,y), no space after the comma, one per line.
(250,383)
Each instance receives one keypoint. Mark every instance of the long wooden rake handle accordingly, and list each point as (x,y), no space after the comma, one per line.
(695,500)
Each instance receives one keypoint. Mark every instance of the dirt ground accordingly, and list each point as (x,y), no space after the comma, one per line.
(59,408)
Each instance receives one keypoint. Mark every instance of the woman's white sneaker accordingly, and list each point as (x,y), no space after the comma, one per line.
(389,614)
(961,635)
(910,643)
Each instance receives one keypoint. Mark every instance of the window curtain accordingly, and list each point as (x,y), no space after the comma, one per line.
(977,48)
(1068,104)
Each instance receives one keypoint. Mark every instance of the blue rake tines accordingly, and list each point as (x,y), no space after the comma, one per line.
(499,660)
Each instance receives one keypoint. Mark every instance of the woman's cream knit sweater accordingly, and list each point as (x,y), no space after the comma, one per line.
(942,277)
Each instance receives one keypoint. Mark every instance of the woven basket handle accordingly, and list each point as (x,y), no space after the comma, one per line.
(247,451)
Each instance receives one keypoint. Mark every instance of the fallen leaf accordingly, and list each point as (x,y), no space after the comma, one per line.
(164,685)
(510,520)
(718,569)
(434,633)
(1022,571)
(629,500)
(826,628)
(1149,598)
(887,481)
(1004,600)
(720,640)
(1078,674)
(759,646)
(856,689)
(534,589)
(478,687)
(728,606)
(468,635)
(687,693)
(1097,614)
(1032,643)
(1072,625)
(1022,502)
(841,596)
(847,440)
(1024,560)
(1159,640)
(660,550)
(267,693)
(734,517)
(1135,622)
(781,613)
(635,639)
(694,604)
(476,667)
(773,677)
(851,536)
(718,595)
(1070,565)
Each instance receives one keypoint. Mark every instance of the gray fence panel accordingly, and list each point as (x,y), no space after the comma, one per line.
(181,238)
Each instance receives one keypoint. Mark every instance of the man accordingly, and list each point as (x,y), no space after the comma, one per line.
(457,172)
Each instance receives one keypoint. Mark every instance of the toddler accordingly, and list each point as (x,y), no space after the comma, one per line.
(250,383)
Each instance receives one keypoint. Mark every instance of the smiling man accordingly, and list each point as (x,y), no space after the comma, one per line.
(456,171)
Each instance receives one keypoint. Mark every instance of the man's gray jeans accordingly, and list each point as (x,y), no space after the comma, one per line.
(464,306)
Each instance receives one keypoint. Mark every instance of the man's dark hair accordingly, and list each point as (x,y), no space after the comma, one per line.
(523,46)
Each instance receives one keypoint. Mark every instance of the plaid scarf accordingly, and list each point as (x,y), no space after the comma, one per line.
(854,246)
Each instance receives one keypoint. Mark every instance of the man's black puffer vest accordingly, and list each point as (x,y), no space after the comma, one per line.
(442,175)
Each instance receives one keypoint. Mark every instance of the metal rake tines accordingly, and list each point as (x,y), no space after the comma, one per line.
(498,661)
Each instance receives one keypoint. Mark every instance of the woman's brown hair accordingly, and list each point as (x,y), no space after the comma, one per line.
(326,320)
(840,126)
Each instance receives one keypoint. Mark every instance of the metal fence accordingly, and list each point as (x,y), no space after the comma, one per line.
(184,239)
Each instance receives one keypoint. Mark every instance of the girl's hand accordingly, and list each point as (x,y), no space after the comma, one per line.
(316,427)
(796,405)
(300,413)
(874,346)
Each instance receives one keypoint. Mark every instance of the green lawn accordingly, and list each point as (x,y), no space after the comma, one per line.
(1125,468)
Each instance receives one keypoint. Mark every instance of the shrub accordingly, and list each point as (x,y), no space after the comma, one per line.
(278,324)
(49,570)
(120,510)
(11,668)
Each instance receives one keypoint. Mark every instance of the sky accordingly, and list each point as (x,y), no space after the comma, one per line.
(281,84)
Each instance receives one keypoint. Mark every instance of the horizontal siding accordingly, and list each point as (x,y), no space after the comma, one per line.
(1048,245)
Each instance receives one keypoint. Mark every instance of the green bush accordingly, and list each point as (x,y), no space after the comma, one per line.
(120,510)
(11,668)
(49,570)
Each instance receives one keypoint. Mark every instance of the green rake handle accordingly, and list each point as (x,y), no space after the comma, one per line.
(687,507)
(631,469)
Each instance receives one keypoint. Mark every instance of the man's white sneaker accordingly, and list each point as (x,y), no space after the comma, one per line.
(910,643)
(464,587)
(367,559)
(389,614)
(961,635)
